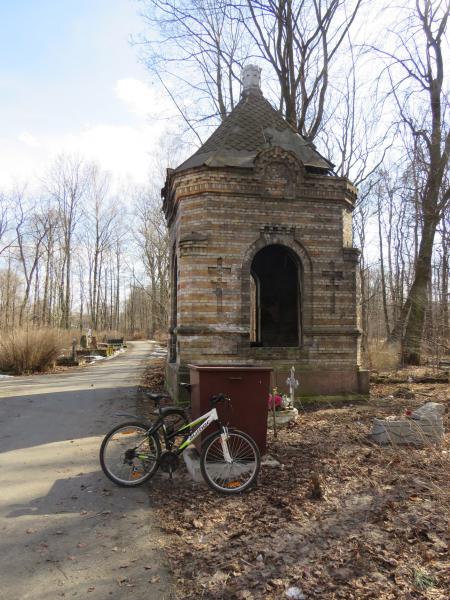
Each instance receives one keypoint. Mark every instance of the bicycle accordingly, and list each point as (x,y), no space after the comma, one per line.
(130,454)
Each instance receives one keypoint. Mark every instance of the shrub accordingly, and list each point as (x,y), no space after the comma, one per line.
(383,356)
(161,336)
(108,334)
(137,335)
(27,351)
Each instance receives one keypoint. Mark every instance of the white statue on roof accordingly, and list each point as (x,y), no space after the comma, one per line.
(251,78)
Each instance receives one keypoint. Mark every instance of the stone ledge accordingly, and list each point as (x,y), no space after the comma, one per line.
(282,417)
(192,461)
(424,426)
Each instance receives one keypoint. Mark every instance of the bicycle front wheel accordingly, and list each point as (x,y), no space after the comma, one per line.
(129,455)
(236,474)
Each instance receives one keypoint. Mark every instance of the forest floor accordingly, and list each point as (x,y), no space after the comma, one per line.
(341,517)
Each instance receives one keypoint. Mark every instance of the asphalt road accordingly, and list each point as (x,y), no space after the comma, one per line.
(65,530)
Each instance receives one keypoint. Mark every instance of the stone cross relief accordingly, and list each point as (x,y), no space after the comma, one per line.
(219,272)
(336,278)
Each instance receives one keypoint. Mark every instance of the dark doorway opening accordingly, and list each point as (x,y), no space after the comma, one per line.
(275,298)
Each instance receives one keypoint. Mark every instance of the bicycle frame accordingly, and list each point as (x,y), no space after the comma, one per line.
(203,422)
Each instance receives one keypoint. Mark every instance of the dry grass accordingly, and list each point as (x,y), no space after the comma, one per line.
(32,350)
(137,335)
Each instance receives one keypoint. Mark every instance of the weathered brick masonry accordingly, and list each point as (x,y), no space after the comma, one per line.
(255,186)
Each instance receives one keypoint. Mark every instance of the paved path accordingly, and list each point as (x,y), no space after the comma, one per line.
(65,530)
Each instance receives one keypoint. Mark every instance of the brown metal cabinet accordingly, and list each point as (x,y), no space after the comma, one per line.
(248,388)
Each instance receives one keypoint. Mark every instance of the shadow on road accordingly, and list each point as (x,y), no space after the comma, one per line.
(46,423)
(90,495)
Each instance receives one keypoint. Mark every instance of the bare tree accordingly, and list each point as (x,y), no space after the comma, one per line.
(416,74)
(67,184)
(74,221)
(300,40)
(5,241)
(31,229)
(153,241)
(202,46)
(49,243)
(198,54)
(445,267)
(101,215)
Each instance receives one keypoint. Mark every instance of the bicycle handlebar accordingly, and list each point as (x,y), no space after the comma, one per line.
(219,398)
(158,397)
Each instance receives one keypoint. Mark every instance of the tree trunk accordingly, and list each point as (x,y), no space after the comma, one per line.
(444,283)
(418,296)
(383,275)
(66,313)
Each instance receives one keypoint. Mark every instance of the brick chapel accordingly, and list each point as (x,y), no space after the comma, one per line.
(263,269)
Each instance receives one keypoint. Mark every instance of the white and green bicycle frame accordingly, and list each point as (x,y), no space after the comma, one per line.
(202,423)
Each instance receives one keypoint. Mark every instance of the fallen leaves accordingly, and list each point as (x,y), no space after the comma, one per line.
(153,377)
(124,582)
(342,519)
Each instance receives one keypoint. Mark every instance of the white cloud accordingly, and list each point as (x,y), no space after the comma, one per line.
(124,150)
(140,98)
(121,149)
(28,139)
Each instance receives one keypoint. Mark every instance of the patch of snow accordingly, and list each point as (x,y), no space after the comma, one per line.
(93,358)
(269,461)
(119,351)
(3,376)
(295,593)
(158,352)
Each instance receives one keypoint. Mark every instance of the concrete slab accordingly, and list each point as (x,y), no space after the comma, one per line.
(192,462)
(424,426)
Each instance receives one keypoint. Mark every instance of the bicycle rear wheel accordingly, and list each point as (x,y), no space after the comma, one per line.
(129,455)
(235,476)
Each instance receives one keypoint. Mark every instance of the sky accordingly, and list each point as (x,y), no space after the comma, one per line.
(70,81)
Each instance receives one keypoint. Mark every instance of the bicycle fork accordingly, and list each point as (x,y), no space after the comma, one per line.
(224,443)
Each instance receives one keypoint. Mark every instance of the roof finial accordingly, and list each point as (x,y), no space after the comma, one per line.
(251,79)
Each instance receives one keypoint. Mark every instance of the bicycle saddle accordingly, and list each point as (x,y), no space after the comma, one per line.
(167,410)
(154,396)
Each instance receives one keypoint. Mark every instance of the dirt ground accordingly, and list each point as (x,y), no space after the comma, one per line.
(341,518)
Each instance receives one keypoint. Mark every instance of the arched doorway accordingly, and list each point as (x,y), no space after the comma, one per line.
(275,297)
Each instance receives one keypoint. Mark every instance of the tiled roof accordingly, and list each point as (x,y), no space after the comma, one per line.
(252,126)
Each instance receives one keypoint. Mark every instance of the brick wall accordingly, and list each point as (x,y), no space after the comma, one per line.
(218,220)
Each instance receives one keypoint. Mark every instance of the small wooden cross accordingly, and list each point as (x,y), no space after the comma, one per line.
(219,282)
(335,281)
